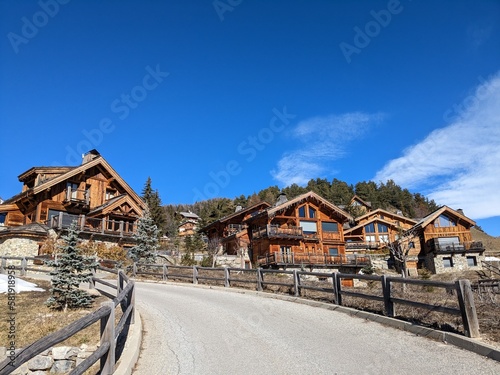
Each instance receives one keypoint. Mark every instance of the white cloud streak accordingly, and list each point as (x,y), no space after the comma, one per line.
(460,163)
(321,140)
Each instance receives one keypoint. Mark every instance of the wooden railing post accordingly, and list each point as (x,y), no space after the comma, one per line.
(260,279)
(103,225)
(121,228)
(467,308)
(337,288)
(386,292)
(91,280)
(164,274)
(227,283)
(24,265)
(296,283)
(119,287)
(108,336)
(131,299)
(195,275)
(134,269)
(60,220)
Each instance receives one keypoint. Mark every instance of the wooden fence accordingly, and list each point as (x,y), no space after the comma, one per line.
(226,276)
(111,336)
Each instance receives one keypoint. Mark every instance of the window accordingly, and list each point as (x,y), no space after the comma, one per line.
(382,228)
(110,194)
(302,211)
(444,221)
(370,238)
(329,227)
(74,187)
(312,213)
(447,262)
(370,228)
(472,261)
(3,215)
(333,251)
(384,238)
(308,226)
(448,243)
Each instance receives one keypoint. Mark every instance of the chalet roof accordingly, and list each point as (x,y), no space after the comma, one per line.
(273,211)
(113,203)
(30,229)
(443,209)
(356,197)
(386,213)
(40,170)
(374,219)
(241,213)
(189,215)
(72,171)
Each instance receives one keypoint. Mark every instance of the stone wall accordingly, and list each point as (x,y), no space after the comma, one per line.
(458,262)
(57,360)
(19,247)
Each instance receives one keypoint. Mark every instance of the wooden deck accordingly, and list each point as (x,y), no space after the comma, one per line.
(311,259)
(93,225)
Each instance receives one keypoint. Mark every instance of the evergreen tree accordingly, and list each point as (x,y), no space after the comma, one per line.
(153,201)
(70,269)
(146,239)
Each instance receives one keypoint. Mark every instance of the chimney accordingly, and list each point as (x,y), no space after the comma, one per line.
(90,155)
(460,211)
(281,199)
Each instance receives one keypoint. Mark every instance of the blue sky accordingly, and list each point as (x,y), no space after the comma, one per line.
(223,98)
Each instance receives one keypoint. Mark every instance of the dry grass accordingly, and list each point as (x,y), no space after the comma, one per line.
(34,320)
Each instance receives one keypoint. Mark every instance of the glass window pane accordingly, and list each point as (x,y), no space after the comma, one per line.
(302,211)
(312,213)
(370,228)
(329,227)
(308,226)
(382,228)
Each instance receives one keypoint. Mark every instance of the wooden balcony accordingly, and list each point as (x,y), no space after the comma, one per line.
(456,247)
(362,245)
(77,197)
(102,226)
(274,231)
(308,259)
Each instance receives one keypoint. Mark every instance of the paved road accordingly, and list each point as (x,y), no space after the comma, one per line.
(192,330)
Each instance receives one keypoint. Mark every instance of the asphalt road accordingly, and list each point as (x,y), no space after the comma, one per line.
(191,330)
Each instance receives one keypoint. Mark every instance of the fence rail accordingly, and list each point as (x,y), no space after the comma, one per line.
(462,288)
(110,334)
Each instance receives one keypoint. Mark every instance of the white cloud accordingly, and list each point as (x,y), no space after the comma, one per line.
(460,163)
(321,140)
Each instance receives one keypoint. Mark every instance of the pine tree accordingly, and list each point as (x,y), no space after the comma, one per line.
(70,269)
(146,239)
(153,201)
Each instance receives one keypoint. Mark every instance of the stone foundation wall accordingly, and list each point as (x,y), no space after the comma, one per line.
(57,360)
(19,247)
(459,262)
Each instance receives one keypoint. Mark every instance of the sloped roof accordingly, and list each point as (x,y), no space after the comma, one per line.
(443,209)
(113,203)
(374,219)
(241,213)
(273,211)
(30,229)
(98,161)
(189,215)
(387,213)
(356,197)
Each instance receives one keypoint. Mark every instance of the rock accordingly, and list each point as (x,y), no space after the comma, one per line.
(62,366)
(40,362)
(64,352)
(21,370)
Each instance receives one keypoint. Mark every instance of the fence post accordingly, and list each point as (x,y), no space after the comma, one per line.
(386,291)
(108,335)
(134,269)
(3,266)
(337,291)
(164,274)
(24,265)
(296,283)
(91,280)
(131,299)
(260,279)
(467,308)
(120,283)
(195,275)
(227,283)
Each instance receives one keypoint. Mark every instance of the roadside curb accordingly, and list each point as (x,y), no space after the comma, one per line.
(454,339)
(132,349)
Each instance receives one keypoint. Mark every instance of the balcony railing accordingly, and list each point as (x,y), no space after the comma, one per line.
(458,247)
(94,225)
(297,259)
(77,196)
(233,229)
(362,245)
(277,232)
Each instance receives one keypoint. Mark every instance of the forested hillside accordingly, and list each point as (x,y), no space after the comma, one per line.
(387,195)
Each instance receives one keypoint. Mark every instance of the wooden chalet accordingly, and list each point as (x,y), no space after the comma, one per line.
(94,194)
(359,205)
(304,231)
(374,230)
(231,231)
(442,242)
(188,223)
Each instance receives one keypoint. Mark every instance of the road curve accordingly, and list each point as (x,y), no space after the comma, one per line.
(191,330)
